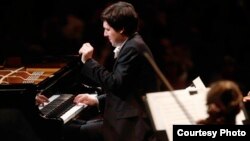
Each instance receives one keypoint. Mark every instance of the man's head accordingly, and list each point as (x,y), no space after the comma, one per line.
(120,17)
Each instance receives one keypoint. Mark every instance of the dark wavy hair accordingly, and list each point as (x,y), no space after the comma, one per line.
(121,16)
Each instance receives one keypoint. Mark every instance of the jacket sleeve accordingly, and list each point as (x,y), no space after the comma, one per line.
(101,99)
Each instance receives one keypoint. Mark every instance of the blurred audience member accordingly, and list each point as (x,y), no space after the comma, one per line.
(61,35)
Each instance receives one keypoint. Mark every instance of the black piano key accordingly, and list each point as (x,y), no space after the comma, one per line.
(59,106)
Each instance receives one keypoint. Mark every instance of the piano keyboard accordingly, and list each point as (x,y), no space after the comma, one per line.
(61,106)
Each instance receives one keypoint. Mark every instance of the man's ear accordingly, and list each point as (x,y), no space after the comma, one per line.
(122,31)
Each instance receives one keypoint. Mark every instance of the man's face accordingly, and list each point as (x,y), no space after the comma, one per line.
(115,37)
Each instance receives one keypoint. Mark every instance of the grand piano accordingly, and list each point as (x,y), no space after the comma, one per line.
(21,82)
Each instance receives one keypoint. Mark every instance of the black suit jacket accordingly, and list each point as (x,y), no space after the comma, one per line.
(125,116)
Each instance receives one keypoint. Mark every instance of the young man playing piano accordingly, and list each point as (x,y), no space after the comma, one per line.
(124,116)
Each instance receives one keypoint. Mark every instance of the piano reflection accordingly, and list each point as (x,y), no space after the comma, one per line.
(57,78)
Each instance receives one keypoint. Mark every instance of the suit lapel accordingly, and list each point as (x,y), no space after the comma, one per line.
(121,51)
(115,64)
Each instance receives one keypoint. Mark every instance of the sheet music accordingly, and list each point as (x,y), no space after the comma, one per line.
(166,112)
(198,83)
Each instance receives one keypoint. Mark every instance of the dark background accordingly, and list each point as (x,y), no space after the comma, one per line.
(189,38)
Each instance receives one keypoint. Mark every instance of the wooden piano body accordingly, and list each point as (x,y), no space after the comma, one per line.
(19,86)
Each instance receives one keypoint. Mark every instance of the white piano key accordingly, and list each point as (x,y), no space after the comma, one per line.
(74,111)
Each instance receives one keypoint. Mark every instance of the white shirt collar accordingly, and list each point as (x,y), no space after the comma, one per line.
(118,48)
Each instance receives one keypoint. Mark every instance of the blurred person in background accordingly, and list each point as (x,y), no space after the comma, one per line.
(224,102)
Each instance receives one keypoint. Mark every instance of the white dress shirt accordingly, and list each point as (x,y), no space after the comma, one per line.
(117,49)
